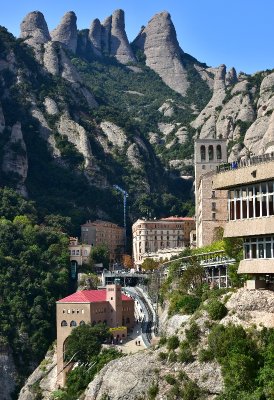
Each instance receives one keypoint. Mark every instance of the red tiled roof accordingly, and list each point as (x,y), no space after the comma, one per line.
(177,219)
(88,296)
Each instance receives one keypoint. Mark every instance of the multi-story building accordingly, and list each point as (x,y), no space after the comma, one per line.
(108,306)
(210,206)
(250,203)
(149,236)
(100,232)
(78,252)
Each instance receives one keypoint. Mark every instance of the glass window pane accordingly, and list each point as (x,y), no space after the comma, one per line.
(244,192)
(261,250)
(250,192)
(244,210)
(253,250)
(257,207)
(263,188)
(271,204)
(268,250)
(257,189)
(264,208)
(251,209)
(238,209)
(246,250)
(231,210)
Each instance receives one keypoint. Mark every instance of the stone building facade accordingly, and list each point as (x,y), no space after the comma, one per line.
(150,236)
(78,252)
(107,306)
(210,204)
(250,202)
(101,232)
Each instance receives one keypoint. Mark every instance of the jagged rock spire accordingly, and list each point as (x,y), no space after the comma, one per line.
(95,36)
(66,31)
(163,54)
(119,45)
(34,29)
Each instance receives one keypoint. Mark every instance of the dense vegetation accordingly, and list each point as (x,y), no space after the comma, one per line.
(34,273)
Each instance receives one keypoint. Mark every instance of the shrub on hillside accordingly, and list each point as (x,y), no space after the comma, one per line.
(193,334)
(183,303)
(173,342)
(216,309)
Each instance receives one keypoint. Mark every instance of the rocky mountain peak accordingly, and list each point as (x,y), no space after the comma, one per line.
(159,43)
(95,36)
(119,44)
(66,31)
(34,29)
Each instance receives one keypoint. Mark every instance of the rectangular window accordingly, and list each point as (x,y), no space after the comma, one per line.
(261,250)
(264,206)
(244,208)
(268,250)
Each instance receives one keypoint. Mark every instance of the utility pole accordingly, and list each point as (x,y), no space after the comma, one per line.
(125,195)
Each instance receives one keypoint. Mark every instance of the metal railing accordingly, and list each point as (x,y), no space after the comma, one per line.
(245,162)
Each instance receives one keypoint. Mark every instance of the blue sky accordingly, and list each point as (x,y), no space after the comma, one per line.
(237,33)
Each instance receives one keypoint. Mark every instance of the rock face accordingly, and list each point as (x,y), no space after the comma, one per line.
(135,371)
(44,376)
(8,374)
(119,45)
(66,31)
(95,37)
(249,307)
(35,31)
(110,38)
(15,159)
(163,54)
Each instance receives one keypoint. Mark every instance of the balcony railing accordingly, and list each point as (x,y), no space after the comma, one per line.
(245,163)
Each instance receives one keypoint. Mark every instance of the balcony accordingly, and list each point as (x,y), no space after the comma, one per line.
(249,227)
(257,266)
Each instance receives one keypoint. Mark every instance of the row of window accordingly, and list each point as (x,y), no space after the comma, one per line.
(72,323)
(78,252)
(262,247)
(210,152)
(251,201)
(73,310)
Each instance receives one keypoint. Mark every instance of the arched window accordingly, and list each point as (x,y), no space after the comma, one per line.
(127,320)
(73,323)
(105,321)
(219,152)
(64,323)
(93,323)
(210,152)
(82,323)
(203,153)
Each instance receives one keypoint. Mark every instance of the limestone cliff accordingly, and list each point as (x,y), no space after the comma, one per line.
(8,373)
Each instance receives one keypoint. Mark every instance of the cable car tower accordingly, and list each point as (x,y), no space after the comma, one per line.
(125,195)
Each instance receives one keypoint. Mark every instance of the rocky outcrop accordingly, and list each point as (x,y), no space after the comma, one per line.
(251,307)
(34,31)
(163,54)
(137,372)
(114,133)
(95,37)
(51,106)
(15,159)
(8,373)
(66,31)
(119,45)
(106,31)
(43,379)
(77,135)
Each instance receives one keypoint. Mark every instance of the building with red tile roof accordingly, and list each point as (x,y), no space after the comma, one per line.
(109,306)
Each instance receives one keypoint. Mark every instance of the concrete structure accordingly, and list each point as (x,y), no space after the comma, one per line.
(151,236)
(210,206)
(107,306)
(251,215)
(103,232)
